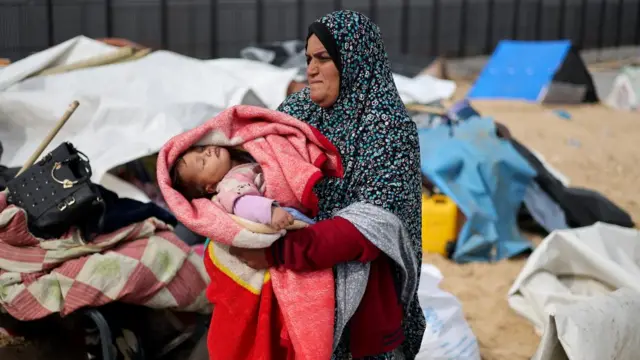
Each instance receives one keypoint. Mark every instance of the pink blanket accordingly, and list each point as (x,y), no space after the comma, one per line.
(143,263)
(293,157)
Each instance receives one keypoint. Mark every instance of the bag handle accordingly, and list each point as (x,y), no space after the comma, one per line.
(47,140)
(66,183)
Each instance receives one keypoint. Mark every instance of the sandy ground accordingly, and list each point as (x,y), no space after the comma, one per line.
(597,148)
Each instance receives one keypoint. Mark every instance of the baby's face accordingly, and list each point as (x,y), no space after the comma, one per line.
(205,166)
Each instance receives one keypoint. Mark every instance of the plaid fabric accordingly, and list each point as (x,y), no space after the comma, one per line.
(143,263)
(294,157)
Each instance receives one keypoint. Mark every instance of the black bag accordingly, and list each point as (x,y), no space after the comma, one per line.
(56,193)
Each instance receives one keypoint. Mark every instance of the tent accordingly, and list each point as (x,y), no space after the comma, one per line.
(625,93)
(535,71)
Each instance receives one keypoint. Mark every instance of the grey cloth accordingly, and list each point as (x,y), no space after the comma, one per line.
(384,230)
(285,54)
(543,209)
(188,236)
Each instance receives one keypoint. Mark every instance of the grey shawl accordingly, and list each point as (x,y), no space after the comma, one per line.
(387,233)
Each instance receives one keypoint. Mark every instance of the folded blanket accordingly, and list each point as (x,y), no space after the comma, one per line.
(293,157)
(143,263)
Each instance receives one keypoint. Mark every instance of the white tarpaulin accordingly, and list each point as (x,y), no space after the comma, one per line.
(625,92)
(601,327)
(130,109)
(571,267)
(423,88)
(127,110)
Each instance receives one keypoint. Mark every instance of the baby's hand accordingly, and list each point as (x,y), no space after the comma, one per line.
(280,218)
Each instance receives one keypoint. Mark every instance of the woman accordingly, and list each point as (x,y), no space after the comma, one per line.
(368,227)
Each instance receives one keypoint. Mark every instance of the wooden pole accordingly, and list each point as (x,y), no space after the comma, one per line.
(47,140)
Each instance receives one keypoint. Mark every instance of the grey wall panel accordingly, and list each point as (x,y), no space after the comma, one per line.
(206,28)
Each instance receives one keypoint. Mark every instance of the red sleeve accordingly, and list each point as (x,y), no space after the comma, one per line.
(322,246)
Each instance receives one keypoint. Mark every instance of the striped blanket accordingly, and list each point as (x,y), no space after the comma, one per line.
(256,312)
(143,263)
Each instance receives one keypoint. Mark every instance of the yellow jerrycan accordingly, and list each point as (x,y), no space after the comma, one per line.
(439,223)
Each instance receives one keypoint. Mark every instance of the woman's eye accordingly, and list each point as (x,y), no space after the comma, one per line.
(308,60)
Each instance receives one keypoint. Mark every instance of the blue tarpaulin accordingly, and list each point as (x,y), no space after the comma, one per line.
(487,179)
(520,70)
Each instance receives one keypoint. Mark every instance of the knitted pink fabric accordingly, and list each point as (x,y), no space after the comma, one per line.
(293,157)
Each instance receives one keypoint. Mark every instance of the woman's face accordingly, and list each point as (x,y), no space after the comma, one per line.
(322,73)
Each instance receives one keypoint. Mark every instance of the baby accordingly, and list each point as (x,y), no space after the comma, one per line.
(230,177)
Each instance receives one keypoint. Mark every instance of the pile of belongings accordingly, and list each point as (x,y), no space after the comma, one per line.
(135,260)
(500,185)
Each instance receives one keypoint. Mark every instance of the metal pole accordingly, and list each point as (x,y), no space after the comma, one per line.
(50,26)
(603,10)
(619,27)
(489,35)
(583,23)
(516,16)
(108,14)
(538,24)
(301,19)
(259,21)
(637,39)
(164,32)
(191,26)
(561,18)
(435,25)
(213,28)
(404,30)
(462,44)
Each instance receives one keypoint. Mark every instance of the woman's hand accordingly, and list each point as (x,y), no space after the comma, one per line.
(254,258)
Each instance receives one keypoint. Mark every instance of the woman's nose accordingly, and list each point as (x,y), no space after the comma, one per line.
(312,68)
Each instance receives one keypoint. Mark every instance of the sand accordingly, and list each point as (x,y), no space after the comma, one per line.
(597,148)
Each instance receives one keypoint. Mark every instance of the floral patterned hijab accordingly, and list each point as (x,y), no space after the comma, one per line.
(376,138)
